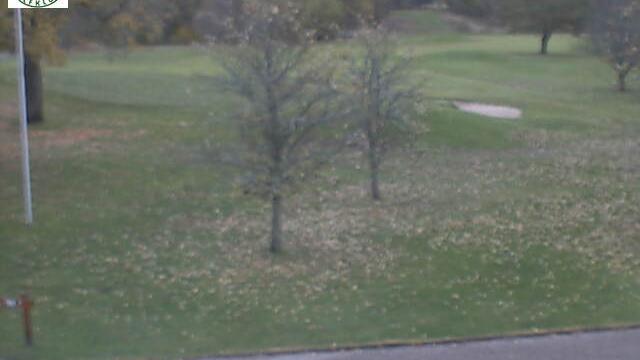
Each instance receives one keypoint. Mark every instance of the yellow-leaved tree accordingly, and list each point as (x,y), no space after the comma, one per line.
(41,30)
(114,23)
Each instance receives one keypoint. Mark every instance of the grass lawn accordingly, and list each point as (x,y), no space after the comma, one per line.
(144,249)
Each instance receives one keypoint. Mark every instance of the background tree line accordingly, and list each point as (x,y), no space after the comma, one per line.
(121,24)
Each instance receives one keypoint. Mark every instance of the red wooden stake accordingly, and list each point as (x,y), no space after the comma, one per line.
(27,304)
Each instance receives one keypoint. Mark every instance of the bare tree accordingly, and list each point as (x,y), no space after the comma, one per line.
(289,104)
(384,97)
(616,35)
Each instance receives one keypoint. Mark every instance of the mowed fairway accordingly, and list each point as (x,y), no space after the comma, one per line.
(144,249)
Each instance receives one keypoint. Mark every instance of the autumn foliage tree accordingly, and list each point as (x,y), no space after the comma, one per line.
(114,23)
(289,103)
(615,33)
(41,43)
(42,38)
(366,12)
(327,19)
(219,20)
(125,23)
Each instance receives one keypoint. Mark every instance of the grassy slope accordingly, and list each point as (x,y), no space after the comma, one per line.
(143,249)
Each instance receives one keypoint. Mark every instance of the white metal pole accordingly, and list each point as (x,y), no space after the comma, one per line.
(24,136)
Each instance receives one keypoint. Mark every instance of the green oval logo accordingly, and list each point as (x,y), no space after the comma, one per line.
(38,3)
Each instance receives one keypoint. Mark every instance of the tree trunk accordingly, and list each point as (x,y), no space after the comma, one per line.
(275,139)
(622,81)
(237,14)
(375,185)
(276,223)
(374,168)
(35,96)
(544,46)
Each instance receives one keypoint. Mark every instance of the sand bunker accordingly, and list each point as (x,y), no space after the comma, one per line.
(494,111)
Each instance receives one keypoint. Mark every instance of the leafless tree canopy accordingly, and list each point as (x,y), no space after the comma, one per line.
(289,103)
(385,98)
(616,35)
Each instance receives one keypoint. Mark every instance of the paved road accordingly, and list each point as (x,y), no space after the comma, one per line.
(620,345)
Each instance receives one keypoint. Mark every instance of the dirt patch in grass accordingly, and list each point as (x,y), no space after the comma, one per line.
(8,151)
(40,139)
(65,138)
(8,110)
(4,126)
(45,140)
